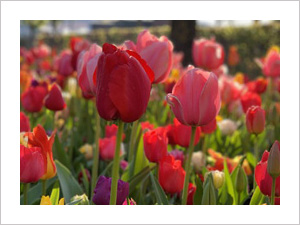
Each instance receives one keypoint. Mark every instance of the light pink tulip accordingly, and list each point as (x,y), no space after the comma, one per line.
(86,70)
(157,52)
(195,99)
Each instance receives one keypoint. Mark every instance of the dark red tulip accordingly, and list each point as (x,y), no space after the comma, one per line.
(24,123)
(155,145)
(191,193)
(80,176)
(263,179)
(171,175)
(32,164)
(249,99)
(63,63)
(33,98)
(182,134)
(123,84)
(255,120)
(54,100)
(271,64)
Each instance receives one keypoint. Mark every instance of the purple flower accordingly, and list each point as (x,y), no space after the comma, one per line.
(102,191)
(178,155)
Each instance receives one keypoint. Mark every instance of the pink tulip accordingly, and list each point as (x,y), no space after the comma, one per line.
(87,70)
(195,99)
(271,64)
(157,52)
(208,54)
(63,63)
(230,90)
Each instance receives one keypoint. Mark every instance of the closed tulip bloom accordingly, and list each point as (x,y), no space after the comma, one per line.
(77,44)
(107,147)
(63,63)
(195,99)
(271,64)
(171,175)
(157,52)
(33,98)
(87,70)
(54,100)
(39,138)
(274,160)
(182,134)
(263,179)
(123,84)
(255,120)
(24,123)
(155,145)
(32,164)
(208,54)
(102,191)
(249,99)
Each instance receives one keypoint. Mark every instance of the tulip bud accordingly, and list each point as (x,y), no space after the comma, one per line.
(82,198)
(240,183)
(255,119)
(274,160)
(209,193)
(218,178)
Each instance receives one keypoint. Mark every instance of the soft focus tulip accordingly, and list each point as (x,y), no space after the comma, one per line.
(218,178)
(87,70)
(209,128)
(39,138)
(87,150)
(131,202)
(178,155)
(123,164)
(255,120)
(191,193)
(33,98)
(83,199)
(77,44)
(259,85)
(54,100)
(195,99)
(263,179)
(112,130)
(155,145)
(41,51)
(45,200)
(271,64)
(24,123)
(208,54)
(32,164)
(107,147)
(80,176)
(248,99)
(182,134)
(102,191)
(230,89)
(227,127)
(274,160)
(157,52)
(147,126)
(123,84)
(198,161)
(171,175)
(233,56)
(63,63)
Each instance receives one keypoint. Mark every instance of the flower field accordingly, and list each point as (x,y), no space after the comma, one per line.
(129,124)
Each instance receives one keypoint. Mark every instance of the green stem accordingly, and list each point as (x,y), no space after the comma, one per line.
(44,187)
(25,190)
(187,167)
(116,164)
(95,155)
(239,198)
(132,144)
(256,154)
(273,191)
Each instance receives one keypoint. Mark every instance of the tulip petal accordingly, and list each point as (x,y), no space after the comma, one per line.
(176,106)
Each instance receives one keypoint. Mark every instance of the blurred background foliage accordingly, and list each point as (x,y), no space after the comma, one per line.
(251,41)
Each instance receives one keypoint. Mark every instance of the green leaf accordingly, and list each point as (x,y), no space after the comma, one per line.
(229,183)
(199,191)
(134,181)
(256,197)
(60,154)
(85,180)
(251,159)
(54,198)
(75,202)
(68,184)
(159,192)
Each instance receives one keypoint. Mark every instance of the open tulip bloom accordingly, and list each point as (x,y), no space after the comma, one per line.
(132,124)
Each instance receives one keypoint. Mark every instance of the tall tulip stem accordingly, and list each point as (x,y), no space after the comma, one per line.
(44,187)
(25,191)
(273,191)
(116,164)
(95,156)
(187,166)
(132,144)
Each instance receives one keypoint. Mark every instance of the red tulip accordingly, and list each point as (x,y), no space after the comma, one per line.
(263,179)
(32,164)
(80,176)
(54,100)
(249,99)
(147,125)
(157,52)
(63,63)
(191,193)
(195,99)
(87,70)
(41,51)
(271,64)
(208,54)
(182,134)
(107,147)
(171,175)
(77,45)
(255,120)
(32,99)
(24,123)
(123,84)
(230,90)
(178,155)
(259,86)
(209,128)
(155,145)
(233,56)
(112,131)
